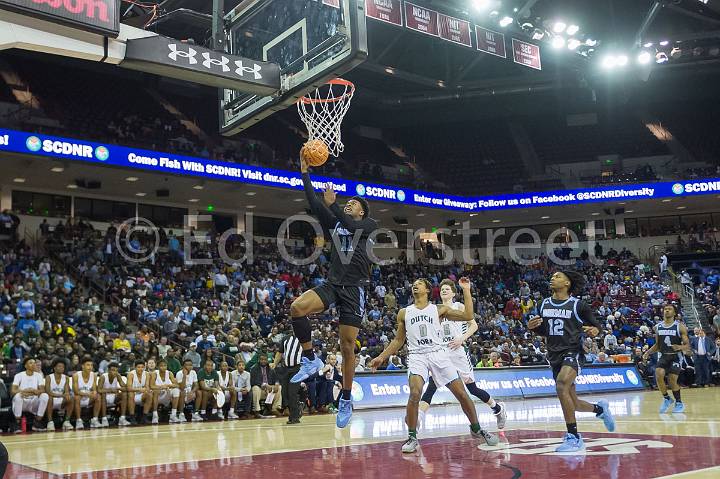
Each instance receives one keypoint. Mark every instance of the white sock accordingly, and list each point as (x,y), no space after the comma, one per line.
(122,417)
(491,402)
(173,412)
(214,411)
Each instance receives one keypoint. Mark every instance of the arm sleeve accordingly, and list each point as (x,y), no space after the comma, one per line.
(316,205)
(367,225)
(588,316)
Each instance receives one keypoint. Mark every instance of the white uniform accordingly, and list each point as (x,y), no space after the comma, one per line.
(426,353)
(85,386)
(139,383)
(57,388)
(166,394)
(110,398)
(34,404)
(191,379)
(224,383)
(459,357)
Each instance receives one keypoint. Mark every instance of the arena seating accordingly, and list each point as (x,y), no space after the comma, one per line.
(555,142)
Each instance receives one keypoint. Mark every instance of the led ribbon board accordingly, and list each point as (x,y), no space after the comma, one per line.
(167,163)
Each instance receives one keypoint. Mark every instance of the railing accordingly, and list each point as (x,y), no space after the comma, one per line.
(689,292)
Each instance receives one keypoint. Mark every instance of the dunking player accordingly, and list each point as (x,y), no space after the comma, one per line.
(564,319)
(349,230)
(453,335)
(420,325)
(671,338)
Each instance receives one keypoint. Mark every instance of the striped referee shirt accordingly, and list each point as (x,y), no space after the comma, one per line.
(292,351)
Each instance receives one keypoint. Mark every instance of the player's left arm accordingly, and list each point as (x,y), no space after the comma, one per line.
(456,315)
(367,225)
(591,325)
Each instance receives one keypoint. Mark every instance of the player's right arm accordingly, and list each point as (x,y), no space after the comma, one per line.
(395,345)
(326,218)
(654,348)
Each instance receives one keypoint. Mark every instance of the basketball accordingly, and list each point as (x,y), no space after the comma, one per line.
(315,152)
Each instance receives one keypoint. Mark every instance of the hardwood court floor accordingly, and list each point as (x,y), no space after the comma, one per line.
(645,445)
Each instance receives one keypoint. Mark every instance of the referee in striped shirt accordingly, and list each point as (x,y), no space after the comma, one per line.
(291,352)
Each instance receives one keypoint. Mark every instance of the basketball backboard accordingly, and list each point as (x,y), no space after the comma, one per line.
(313,41)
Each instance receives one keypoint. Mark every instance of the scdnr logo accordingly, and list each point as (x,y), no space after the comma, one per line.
(360,190)
(678,189)
(33,143)
(102,153)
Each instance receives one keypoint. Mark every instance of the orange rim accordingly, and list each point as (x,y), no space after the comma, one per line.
(336,81)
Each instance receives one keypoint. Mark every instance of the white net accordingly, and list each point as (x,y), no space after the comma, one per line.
(323,110)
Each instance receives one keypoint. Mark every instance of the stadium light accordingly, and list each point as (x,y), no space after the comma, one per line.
(559,27)
(675,53)
(573,43)
(590,42)
(609,62)
(481,4)
(622,60)
(505,21)
(572,29)
(648,44)
(664,43)
(538,34)
(558,42)
(644,58)
(661,57)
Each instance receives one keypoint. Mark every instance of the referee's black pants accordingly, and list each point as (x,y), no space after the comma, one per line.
(290,392)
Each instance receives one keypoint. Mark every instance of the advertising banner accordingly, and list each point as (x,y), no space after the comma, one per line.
(391,389)
(99,16)
(168,163)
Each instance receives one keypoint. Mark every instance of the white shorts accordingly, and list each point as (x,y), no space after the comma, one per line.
(57,403)
(138,399)
(165,396)
(110,399)
(436,363)
(189,395)
(461,362)
(85,402)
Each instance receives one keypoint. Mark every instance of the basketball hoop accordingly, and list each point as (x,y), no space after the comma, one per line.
(323,110)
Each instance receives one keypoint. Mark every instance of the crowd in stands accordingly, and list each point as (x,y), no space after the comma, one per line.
(82,305)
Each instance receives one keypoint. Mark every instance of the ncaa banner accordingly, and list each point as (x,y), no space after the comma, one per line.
(98,16)
(389,389)
(421,19)
(168,163)
(171,58)
(388,11)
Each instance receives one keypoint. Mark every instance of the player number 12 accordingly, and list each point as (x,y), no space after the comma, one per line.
(556,327)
